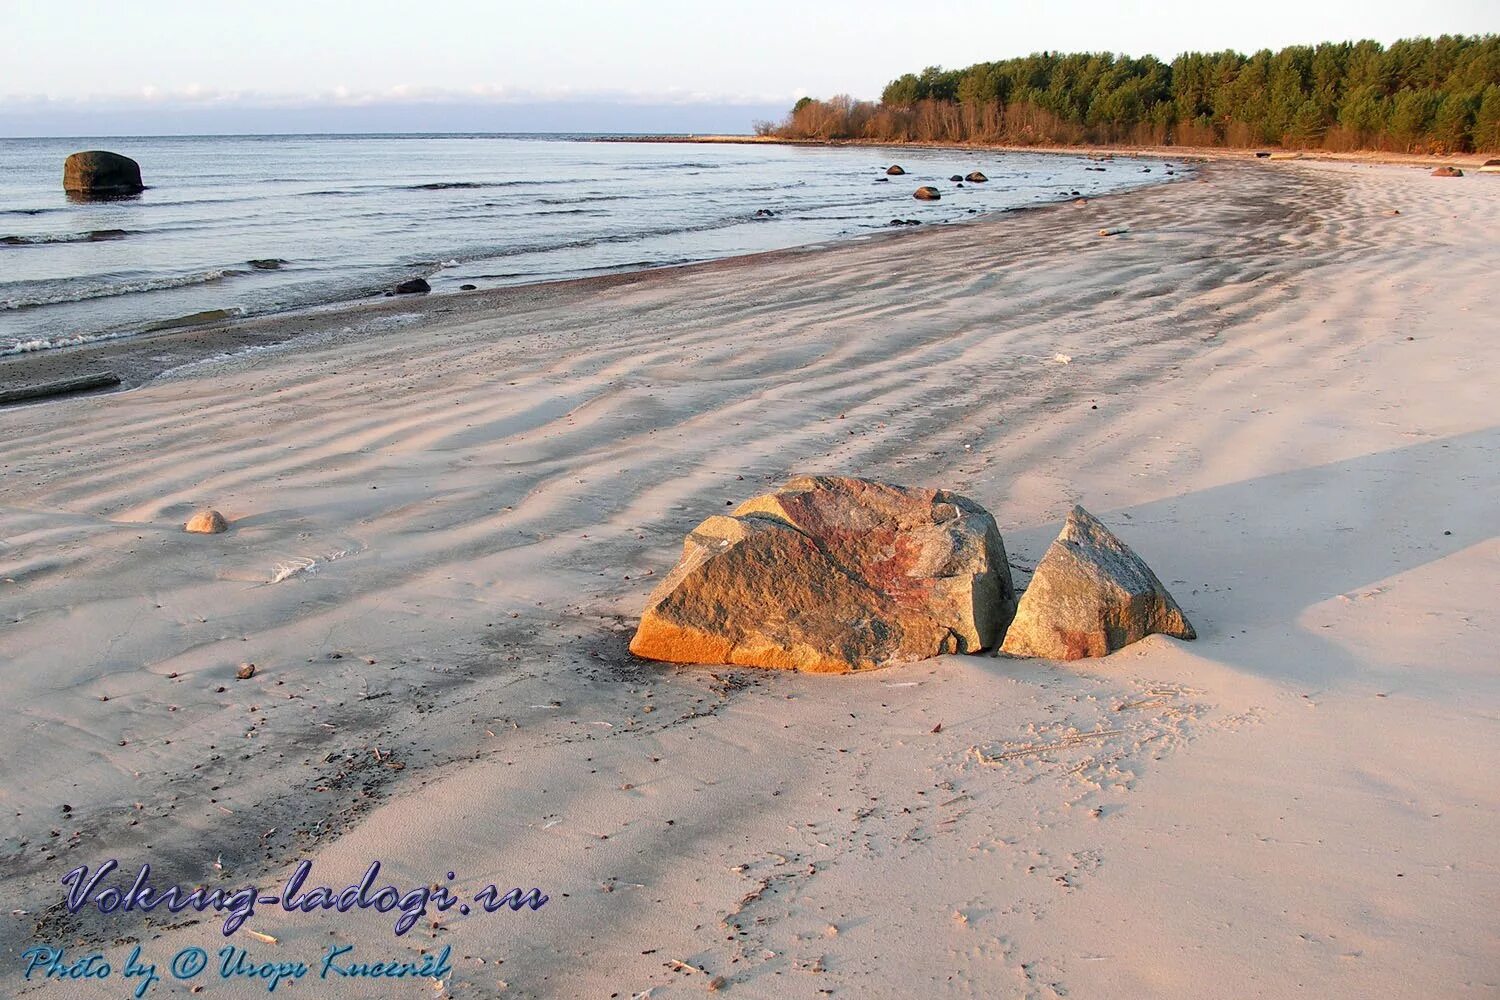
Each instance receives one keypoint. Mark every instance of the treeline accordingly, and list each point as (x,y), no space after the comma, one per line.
(1419,95)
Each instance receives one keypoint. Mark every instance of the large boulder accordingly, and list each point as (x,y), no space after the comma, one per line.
(927,194)
(99,174)
(1091,595)
(831,574)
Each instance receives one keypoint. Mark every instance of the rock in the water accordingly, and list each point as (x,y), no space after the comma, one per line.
(206,522)
(832,574)
(976,178)
(267,264)
(956,177)
(416,286)
(1091,595)
(927,194)
(1447,172)
(468,288)
(100,174)
(895,170)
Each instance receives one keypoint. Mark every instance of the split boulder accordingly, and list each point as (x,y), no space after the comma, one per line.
(1091,595)
(832,574)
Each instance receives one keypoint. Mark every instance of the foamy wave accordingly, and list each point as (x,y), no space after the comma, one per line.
(42,239)
(70,292)
(53,343)
(79,339)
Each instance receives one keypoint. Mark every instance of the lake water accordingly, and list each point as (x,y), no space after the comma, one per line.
(334,219)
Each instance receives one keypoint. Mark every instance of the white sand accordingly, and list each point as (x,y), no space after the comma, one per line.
(1296,402)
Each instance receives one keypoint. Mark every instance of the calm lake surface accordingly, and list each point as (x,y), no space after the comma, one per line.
(332,218)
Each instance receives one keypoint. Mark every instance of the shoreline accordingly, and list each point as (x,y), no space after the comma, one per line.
(1204,153)
(137,359)
(442,532)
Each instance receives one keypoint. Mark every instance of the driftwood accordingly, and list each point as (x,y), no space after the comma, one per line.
(80,383)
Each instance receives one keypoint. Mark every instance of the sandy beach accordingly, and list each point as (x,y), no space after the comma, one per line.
(446,515)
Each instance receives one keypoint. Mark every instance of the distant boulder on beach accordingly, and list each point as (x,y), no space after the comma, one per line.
(1447,172)
(96,173)
(927,194)
(416,286)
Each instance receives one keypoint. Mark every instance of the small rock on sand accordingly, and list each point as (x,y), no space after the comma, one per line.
(1091,595)
(245,672)
(206,522)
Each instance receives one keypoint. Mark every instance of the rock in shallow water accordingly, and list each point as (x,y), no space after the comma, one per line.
(831,574)
(96,173)
(1091,595)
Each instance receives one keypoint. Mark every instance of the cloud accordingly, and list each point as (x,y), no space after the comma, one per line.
(203,111)
(196,96)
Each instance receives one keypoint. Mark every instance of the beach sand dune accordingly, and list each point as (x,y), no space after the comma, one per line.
(444,518)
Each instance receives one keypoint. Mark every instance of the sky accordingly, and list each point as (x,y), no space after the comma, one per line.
(130,67)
